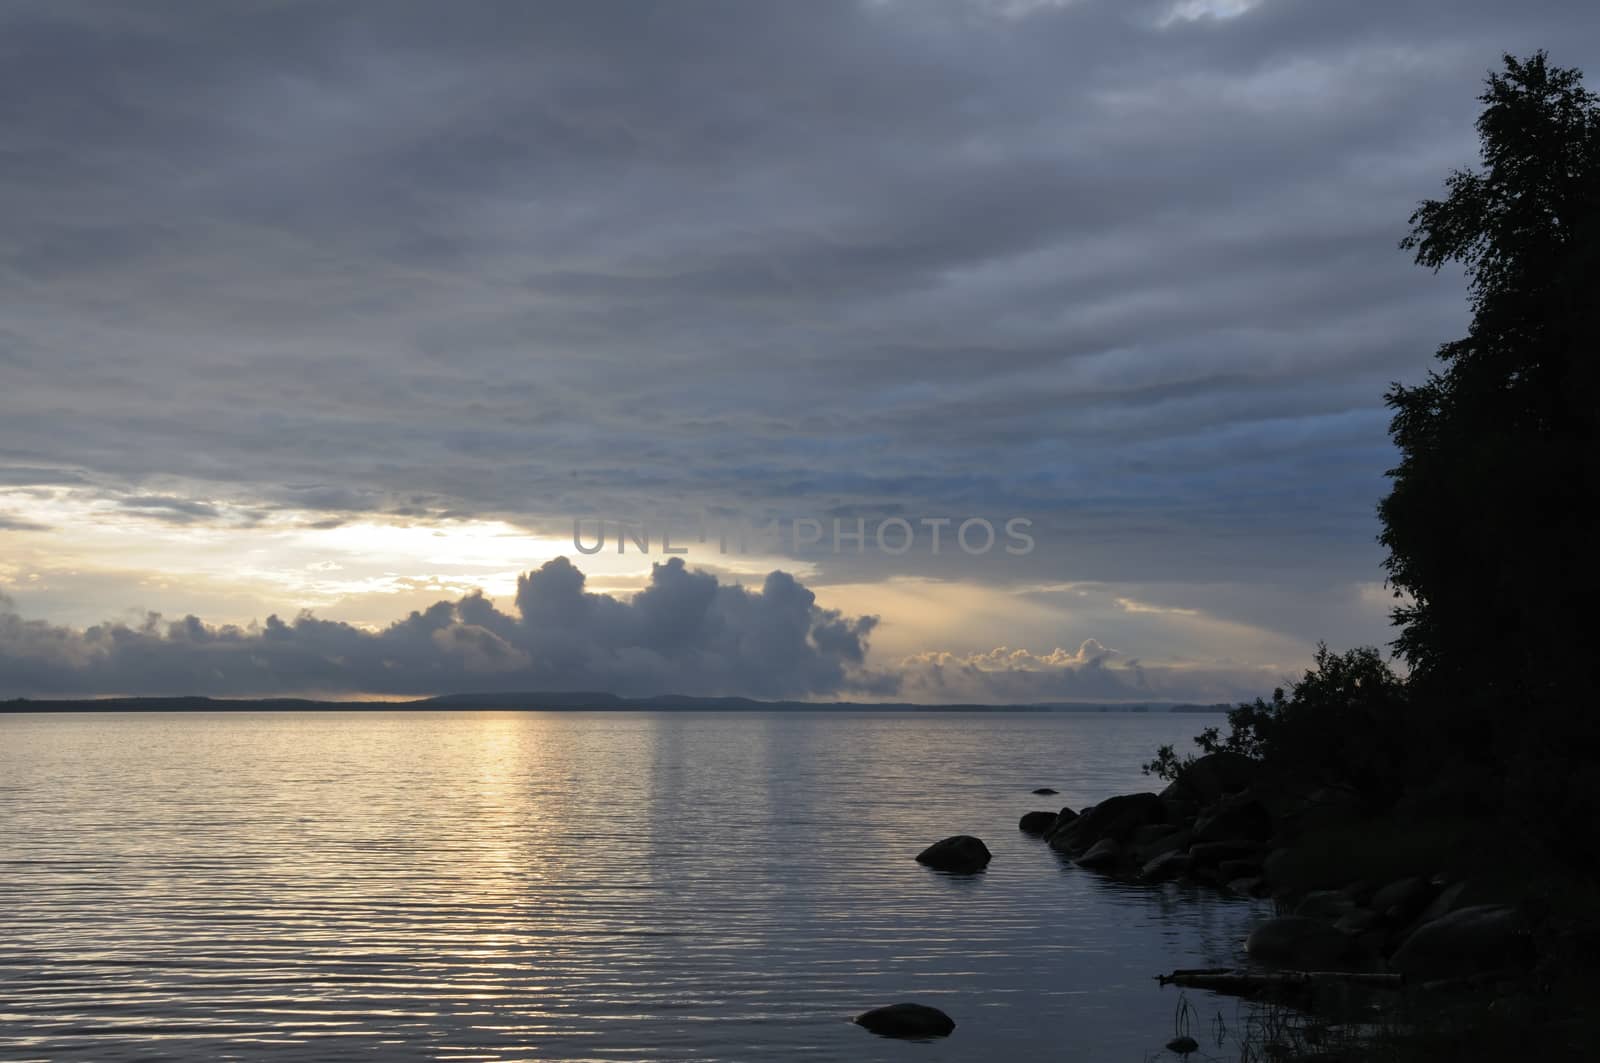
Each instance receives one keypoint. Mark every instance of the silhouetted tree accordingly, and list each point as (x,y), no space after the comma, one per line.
(1491,523)
(1343,722)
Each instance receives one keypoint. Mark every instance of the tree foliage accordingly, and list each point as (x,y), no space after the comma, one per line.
(1342,722)
(1490,524)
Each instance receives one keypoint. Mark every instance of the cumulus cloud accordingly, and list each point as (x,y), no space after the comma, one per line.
(686,632)
(1092,672)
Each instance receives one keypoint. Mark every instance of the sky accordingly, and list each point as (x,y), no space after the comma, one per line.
(322,325)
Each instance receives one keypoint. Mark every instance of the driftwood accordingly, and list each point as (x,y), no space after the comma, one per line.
(1229,980)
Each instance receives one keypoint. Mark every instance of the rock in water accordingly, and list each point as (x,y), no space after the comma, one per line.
(1037,823)
(1046,790)
(1101,855)
(962,852)
(1183,1045)
(906,1020)
(1115,817)
(1299,942)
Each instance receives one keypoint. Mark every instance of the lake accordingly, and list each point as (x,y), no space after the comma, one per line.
(575,886)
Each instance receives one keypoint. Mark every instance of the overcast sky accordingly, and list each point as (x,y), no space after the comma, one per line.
(354,307)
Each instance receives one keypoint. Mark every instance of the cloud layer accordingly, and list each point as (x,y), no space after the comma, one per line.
(1124,267)
(684,633)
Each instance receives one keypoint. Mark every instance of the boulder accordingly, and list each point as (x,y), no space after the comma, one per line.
(1064,820)
(1448,900)
(1212,854)
(1043,790)
(1101,855)
(906,1020)
(1467,941)
(1115,817)
(1238,817)
(1248,886)
(1176,841)
(1298,942)
(1357,921)
(1037,823)
(1324,904)
(1152,831)
(1228,870)
(1183,1045)
(962,852)
(1213,776)
(1168,865)
(1401,900)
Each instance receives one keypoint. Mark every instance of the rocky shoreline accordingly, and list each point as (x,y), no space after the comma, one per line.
(1346,928)
(1228,823)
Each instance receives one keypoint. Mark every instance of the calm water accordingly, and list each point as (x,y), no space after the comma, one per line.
(572,886)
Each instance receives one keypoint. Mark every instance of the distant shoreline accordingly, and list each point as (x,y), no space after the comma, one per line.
(560,702)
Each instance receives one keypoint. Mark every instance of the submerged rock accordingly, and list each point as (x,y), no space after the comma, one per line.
(1183,1045)
(1037,823)
(1043,790)
(962,852)
(906,1020)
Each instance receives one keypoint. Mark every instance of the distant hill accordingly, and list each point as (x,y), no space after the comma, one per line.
(559,701)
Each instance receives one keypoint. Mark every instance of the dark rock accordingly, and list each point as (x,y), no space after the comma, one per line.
(1101,855)
(1486,937)
(1361,891)
(1248,886)
(1183,1045)
(1299,942)
(1228,870)
(1152,831)
(1327,808)
(1115,817)
(1239,816)
(1046,790)
(1037,823)
(1168,865)
(1064,820)
(906,1020)
(1179,809)
(1176,841)
(1448,900)
(1402,900)
(1357,921)
(1212,854)
(1324,904)
(962,852)
(1213,776)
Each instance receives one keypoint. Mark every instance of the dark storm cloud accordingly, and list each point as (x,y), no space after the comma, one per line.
(684,633)
(1132,275)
